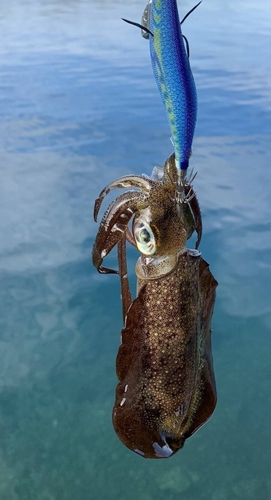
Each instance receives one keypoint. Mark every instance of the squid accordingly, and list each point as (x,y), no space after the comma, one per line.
(166,386)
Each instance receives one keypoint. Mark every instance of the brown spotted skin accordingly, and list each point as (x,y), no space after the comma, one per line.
(166,387)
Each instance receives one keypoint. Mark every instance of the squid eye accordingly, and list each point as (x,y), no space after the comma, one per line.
(144,238)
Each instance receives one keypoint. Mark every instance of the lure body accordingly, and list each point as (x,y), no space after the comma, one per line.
(166,388)
(173,74)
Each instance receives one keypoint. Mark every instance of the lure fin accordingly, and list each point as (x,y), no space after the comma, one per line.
(145,20)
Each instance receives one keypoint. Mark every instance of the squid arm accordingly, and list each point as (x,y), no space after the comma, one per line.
(113,226)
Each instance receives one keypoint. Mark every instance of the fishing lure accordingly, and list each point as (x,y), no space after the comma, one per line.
(166,388)
(169,51)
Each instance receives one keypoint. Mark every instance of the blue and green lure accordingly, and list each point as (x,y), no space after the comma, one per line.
(170,61)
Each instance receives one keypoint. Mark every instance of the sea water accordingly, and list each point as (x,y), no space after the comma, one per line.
(79,108)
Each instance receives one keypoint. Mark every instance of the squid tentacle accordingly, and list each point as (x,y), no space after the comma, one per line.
(126,296)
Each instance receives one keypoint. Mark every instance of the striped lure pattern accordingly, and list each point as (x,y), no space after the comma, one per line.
(173,74)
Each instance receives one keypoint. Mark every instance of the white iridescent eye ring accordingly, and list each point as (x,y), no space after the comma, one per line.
(144,237)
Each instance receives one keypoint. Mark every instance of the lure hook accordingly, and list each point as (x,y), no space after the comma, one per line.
(138,25)
(190,12)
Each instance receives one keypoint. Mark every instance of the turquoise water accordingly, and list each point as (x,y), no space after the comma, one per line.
(79,108)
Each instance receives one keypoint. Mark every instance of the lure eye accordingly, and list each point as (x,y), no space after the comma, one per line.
(144,237)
